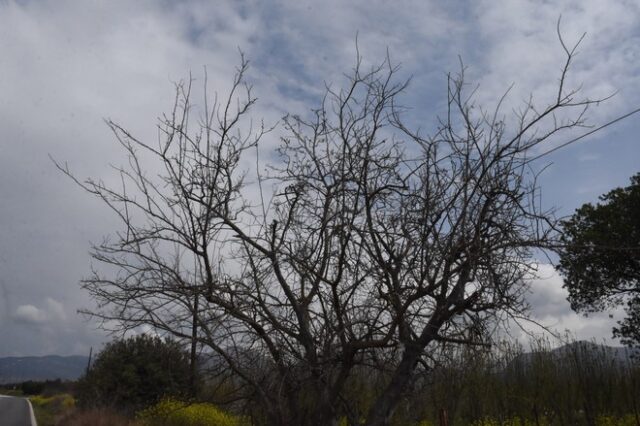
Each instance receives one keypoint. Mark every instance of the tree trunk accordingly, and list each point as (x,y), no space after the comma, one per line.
(194,347)
(385,404)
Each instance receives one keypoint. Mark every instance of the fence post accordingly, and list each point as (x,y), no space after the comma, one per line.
(444,420)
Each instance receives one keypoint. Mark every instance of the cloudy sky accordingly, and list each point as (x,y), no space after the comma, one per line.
(65,66)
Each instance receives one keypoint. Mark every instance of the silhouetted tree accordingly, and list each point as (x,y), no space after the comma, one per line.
(371,243)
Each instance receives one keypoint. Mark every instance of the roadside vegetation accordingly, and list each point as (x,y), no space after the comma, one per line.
(580,383)
(178,413)
(49,410)
(135,373)
(52,400)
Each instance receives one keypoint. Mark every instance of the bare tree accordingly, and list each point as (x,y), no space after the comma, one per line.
(376,243)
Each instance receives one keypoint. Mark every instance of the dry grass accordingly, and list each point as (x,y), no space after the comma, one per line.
(97,417)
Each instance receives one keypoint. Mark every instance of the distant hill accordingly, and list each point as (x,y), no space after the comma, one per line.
(581,351)
(51,367)
(585,348)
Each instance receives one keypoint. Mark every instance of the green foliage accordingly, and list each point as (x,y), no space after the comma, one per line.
(46,387)
(32,388)
(170,412)
(600,257)
(134,373)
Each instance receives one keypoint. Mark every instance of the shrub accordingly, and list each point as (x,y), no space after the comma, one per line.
(134,373)
(170,412)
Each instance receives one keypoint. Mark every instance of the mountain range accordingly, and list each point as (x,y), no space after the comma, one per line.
(585,350)
(39,368)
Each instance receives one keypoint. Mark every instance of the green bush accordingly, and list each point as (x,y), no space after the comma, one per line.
(134,373)
(170,412)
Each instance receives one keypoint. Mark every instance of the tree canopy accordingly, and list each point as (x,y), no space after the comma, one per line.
(600,257)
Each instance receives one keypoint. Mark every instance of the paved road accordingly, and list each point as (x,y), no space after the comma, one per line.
(15,412)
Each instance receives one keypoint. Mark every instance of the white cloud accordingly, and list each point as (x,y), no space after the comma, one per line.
(550,308)
(29,314)
(55,309)
(53,312)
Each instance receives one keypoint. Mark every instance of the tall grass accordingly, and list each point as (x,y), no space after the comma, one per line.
(580,384)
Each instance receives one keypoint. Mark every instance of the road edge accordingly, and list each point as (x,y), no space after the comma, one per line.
(31,413)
